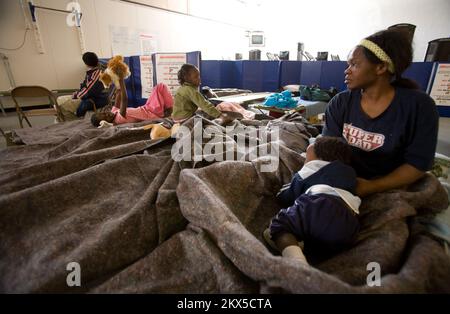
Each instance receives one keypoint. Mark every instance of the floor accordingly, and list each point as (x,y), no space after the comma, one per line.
(443,145)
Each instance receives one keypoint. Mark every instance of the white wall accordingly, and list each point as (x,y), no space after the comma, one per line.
(61,65)
(337,26)
(326,25)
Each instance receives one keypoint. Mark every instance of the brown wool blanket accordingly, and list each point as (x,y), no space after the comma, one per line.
(135,220)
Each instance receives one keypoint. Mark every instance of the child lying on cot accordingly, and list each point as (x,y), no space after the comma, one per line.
(318,205)
(188,98)
(159,103)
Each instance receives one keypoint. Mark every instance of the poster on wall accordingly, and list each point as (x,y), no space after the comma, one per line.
(440,90)
(167,66)
(147,44)
(146,75)
(127,41)
(123,41)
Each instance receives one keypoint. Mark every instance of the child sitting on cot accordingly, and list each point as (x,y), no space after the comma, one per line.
(318,205)
(158,105)
(188,98)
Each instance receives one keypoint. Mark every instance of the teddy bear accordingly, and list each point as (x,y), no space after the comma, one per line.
(158,130)
(115,70)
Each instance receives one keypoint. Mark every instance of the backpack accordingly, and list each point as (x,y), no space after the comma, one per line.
(315,93)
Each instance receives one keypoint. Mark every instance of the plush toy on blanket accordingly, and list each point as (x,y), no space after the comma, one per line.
(104,124)
(116,69)
(159,130)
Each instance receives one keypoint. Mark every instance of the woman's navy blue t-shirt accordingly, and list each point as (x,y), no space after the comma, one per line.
(406,132)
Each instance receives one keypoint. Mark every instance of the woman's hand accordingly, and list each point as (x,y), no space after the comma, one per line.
(400,177)
(363,187)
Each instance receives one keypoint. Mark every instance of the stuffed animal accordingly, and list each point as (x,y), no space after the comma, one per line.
(116,70)
(104,124)
(161,131)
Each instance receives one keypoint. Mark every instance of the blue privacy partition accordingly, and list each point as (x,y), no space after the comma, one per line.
(444,111)
(332,75)
(261,75)
(195,58)
(311,72)
(419,72)
(219,74)
(258,76)
(270,75)
(129,84)
(326,74)
(211,73)
(136,76)
(290,72)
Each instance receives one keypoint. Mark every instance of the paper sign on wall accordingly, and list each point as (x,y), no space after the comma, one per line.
(146,75)
(440,90)
(167,66)
(127,41)
(123,41)
(148,44)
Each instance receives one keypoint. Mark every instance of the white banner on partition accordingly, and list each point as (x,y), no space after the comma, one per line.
(146,75)
(440,91)
(167,67)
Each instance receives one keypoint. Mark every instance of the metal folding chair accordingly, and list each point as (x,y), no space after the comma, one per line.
(35,92)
